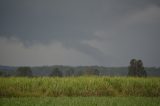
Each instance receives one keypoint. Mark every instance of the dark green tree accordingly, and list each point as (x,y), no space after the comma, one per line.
(90,71)
(1,73)
(96,72)
(140,69)
(136,68)
(79,73)
(56,73)
(69,72)
(24,71)
(132,68)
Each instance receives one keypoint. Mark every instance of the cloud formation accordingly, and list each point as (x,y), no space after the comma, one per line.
(105,32)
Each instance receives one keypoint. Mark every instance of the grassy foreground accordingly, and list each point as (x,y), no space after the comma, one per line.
(79,86)
(81,101)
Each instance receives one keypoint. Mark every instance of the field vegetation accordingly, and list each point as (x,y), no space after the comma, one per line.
(79,86)
(80,101)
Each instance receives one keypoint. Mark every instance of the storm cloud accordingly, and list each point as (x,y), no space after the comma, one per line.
(95,32)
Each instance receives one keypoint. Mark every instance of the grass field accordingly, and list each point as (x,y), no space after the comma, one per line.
(81,101)
(79,86)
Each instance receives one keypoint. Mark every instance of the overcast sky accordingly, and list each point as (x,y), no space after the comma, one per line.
(79,32)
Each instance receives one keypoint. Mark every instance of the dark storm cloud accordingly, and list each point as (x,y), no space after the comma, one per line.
(70,22)
(42,21)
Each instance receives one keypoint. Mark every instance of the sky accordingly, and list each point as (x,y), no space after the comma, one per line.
(79,32)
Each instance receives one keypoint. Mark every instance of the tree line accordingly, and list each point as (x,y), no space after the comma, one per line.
(26,71)
(135,68)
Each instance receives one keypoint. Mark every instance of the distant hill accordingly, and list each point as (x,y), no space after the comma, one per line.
(8,70)
(103,71)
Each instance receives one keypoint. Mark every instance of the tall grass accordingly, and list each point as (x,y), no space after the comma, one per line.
(79,86)
(80,101)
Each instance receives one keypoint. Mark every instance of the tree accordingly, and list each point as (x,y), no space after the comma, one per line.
(56,73)
(79,73)
(132,68)
(90,71)
(1,73)
(69,72)
(136,68)
(24,71)
(140,69)
(96,72)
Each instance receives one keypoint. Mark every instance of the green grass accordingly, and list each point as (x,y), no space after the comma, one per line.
(79,86)
(81,101)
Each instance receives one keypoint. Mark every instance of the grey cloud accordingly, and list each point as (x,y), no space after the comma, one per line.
(42,21)
(94,52)
(73,21)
